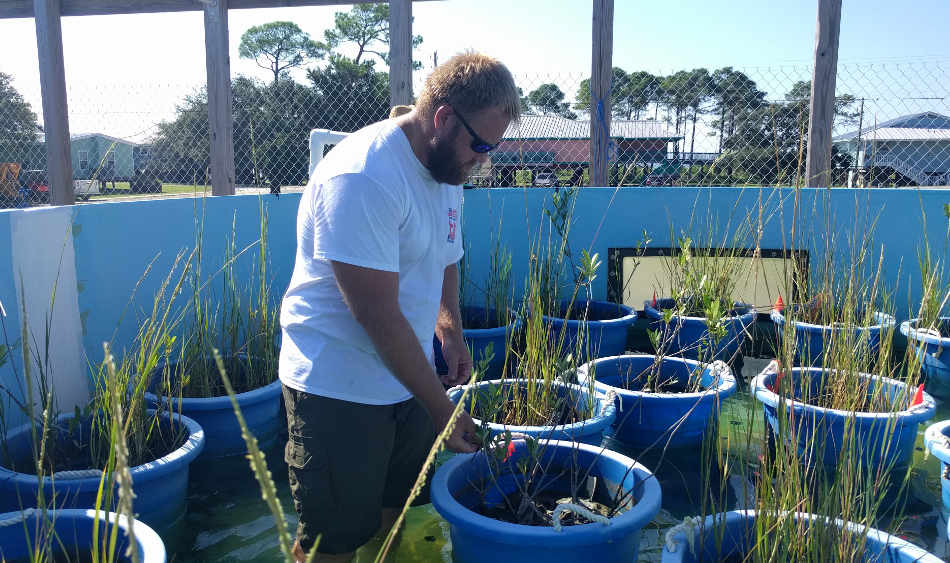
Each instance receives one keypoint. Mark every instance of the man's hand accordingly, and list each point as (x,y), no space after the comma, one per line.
(457,358)
(464,436)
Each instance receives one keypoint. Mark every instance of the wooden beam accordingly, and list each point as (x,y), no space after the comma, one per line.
(600,78)
(219,97)
(24,8)
(49,45)
(400,52)
(821,114)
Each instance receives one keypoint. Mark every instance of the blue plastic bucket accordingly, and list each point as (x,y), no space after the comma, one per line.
(73,527)
(934,353)
(479,340)
(478,538)
(160,485)
(729,536)
(660,419)
(687,336)
(882,439)
(260,408)
(590,431)
(605,328)
(937,441)
(811,339)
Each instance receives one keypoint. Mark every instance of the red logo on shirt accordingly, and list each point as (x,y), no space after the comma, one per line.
(453,219)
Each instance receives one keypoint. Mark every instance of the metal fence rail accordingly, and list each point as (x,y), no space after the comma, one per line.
(728,126)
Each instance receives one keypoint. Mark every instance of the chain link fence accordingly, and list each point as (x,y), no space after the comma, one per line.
(728,126)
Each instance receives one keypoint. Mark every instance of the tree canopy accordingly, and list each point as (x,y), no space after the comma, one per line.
(548,99)
(279,46)
(366,26)
(19,128)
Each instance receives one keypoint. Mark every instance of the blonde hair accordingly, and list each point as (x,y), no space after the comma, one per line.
(399,110)
(470,82)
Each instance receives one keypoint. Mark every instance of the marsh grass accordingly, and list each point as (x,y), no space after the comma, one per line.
(242,323)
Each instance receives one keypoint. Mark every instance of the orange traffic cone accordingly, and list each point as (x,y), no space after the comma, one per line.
(779,304)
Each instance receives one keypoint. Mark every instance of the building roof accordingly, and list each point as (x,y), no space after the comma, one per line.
(926,126)
(104,136)
(557,127)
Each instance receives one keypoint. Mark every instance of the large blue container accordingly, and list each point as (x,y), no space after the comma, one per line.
(937,441)
(478,341)
(934,353)
(687,336)
(160,485)
(659,420)
(882,439)
(73,527)
(590,431)
(811,339)
(215,415)
(478,538)
(729,536)
(605,330)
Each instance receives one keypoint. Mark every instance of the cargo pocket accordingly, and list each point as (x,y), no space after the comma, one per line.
(296,454)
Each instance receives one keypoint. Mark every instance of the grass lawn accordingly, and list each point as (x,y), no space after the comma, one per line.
(122,190)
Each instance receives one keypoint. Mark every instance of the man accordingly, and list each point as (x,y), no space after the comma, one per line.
(378,239)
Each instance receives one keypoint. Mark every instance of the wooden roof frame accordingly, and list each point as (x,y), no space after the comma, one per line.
(25,8)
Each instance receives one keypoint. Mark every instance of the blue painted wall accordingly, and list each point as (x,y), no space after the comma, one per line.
(115,242)
(10,333)
(609,217)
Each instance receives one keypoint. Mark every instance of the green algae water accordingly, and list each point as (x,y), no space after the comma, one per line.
(228,521)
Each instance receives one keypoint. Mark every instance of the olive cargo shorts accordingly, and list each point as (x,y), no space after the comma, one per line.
(347,461)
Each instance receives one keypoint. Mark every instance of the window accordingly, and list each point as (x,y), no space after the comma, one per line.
(110,158)
(83,160)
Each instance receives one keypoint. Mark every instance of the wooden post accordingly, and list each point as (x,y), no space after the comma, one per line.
(219,97)
(600,78)
(821,113)
(400,52)
(49,44)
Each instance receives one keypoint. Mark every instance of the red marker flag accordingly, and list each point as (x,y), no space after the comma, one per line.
(918,396)
(654,299)
(779,304)
(511,450)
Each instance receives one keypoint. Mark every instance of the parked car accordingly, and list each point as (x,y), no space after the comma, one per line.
(35,185)
(546,179)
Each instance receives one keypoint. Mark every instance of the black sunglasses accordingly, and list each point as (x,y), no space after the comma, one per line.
(478,145)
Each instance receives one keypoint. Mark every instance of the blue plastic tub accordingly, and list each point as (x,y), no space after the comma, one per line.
(881,439)
(934,354)
(811,339)
(160,485)
(686,336)
(478,538)
(605,330)
(590,431)
(660,419)
(260,407)
(478,341)
(73,528)
(729,535)
(937,441)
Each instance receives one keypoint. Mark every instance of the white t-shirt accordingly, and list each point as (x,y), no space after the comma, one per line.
(370,203)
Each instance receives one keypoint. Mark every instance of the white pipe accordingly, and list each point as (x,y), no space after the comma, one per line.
(319,139)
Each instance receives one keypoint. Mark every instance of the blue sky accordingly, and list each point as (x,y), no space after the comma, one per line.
(141,64)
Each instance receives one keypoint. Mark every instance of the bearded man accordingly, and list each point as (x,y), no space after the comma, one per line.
(378,242)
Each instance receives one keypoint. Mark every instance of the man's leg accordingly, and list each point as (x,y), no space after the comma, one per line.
(337,454)
(414,437)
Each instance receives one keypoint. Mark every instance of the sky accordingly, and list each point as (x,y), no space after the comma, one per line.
(126,72)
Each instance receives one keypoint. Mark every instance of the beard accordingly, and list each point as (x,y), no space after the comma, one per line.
(444,163)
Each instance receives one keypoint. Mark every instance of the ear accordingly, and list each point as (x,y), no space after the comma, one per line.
(441,117)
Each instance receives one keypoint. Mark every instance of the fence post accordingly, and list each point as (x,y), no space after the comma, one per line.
(400,52)
(821,114)
(219,97)
(601,74)
(49,44)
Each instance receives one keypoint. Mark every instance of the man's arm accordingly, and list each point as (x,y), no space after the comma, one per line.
(373,298)
(449,330)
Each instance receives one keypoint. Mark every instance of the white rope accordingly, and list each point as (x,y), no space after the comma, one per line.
(688,528)
(77,474)
(17,518)
(609,397)
(576,509)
